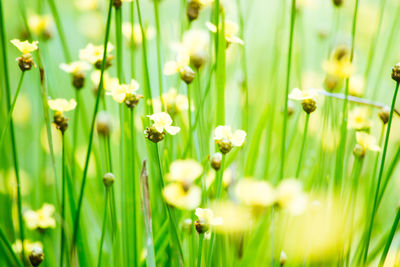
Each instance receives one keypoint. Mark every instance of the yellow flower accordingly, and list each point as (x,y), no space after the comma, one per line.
(137,32)
(93,54)
(184,171)
(367,141)
(40,24)
(359,119)
(121,91)
(182,61)
(62,105)
(256,193)
(236,218)
(206,216)
(224,134)
(227,177)
(290,196)
(300,95)
(75,67)
(40,219)
(231,30)
(163,121)
(25,47)
(183,198)
(28,246)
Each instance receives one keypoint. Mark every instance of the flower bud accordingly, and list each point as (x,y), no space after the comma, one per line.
(198,59)
(104,123)
(396,73)
(108,64)
(201,227)
(224,146)
(131,100)
(332,83)
(60,121)
(282,259)
(153,135)
(25,62)
(108,179)
(78,80)
(216,161)
(117,4)
(36,256)
(338,3)
(309,105)
(187,225)
(359,151)
(187,75)
(384,114)
(192,10)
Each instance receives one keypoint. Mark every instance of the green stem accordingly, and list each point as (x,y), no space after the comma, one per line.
(158,42)
(200,250)
(10,112)
(375,205)
(96,108)
(303,145)
(9,247)
(288,69)
(390,237)
(149,99)
(134,191)
(103,230)
(13,139)
(343,133)
(190,141)
(132,18)
(60,30)
(62,239)
(75,130)
(118,35)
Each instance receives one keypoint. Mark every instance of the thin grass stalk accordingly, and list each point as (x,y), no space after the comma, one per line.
(12,132)
(134,191)
(103,229)
(199,254)
(343,131)
(389,174)
(220,52)
(9,248)
(63,222)
(132,45)
(303,145)
(96,108)
(188,90)
(286,99)
(158,44)
(390,238)
(9,115)
(379,180)
(147,87)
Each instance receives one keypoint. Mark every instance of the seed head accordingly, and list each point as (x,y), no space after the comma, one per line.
(117,4)
(198,59)
(192,10)
(131,100)
(60,121)
(108,179)
(396,73)
(187,75)
(201,227)
(216,161)
(384,114)
(108,64)
(25,62)
(153,135)
(338,3)
(36,256)
(224,146)
(104,123)
(309,105)
(78,80)
(359,151)
(282,259)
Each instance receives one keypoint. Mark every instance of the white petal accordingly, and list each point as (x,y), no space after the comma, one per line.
(173,130)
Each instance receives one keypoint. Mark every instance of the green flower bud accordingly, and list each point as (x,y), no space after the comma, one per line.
(108,179)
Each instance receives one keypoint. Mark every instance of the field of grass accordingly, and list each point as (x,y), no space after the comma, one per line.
(199,133)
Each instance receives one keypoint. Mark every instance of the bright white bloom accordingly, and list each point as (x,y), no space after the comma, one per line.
(182,61)
(224,133)
(75,67)
(163,121)
(367,141)
(231,30)
(25,47)
(184,171)
(300,95)
(62,105)
(40,219)
(253,192)
(206,216)
(120,92)
(92,53)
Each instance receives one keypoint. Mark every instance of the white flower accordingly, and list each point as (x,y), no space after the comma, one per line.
(299,95)
(163,121)
(224,133)
(185,171)
(75,67)
(206,216)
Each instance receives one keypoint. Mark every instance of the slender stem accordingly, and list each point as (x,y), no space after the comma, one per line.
(118,34)
(303,145)
(375,205)
(390,237)
(158,42)
(13,139)
(10,112)
(132,18)
(201,237)
(60,30)
(103,229)
(134,191)
(288,69)
(62,239)
(149,99)
(343,133)
(190,141)
(96,108)
(9,247)
(75,130)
